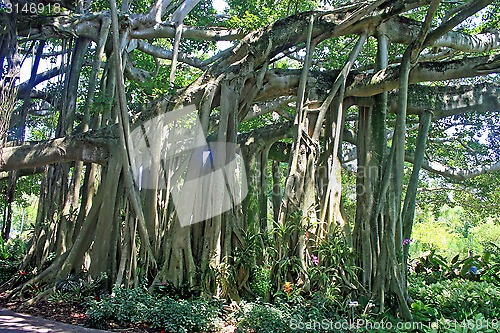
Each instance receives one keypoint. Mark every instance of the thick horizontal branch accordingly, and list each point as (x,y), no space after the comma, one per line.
(91,147)
(457,174)
(44,95)
(446,101)
(279,82)
(4,175)
(404,30)
(159,52)
(162,53)
(387,80)
(259,138)
(276,105)
(443,101)
(94,147)
(25,87)
(167,30)
(136,74)
(143,26)
(431,166)
(280,152)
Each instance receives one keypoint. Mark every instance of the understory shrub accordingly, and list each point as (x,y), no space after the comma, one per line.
(263,318)
(7,270)
(292,315)
(13,250)
(436,303)
(260,282)
(433,267)
(454,299)
(11,254)
(137,306)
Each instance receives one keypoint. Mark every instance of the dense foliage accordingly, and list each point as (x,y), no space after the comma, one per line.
(137,306)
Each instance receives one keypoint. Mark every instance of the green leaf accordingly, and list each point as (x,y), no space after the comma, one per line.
(468,263)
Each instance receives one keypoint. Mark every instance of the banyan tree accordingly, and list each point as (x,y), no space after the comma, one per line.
(306,92)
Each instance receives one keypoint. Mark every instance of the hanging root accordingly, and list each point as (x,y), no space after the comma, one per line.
(175,55)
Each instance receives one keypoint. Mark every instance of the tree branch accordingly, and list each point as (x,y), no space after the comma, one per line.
(4,175)
(159,9)
(470,9)
(457,174)
(136,74)
(385,80)
(90,147)
(403,30)
(25,87)
(159,52)
(448,100)
(276,105)
(183,10)
(166,30)
(284,82)
(280,152)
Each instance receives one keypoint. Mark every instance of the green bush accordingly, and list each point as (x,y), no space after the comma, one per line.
(12,250)
(137,306)
(433,267)
(11,254)
(454,299)
(263,318)
(260,282)
(7,270)
(289,316)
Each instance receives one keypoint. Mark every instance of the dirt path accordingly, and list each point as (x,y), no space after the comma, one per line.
(21,323)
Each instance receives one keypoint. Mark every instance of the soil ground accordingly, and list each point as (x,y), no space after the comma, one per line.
(13,322)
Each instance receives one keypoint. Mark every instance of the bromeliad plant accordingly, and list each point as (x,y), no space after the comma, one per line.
(289,265)
(325,265)
(331,268)
(184,291)
(77,288)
